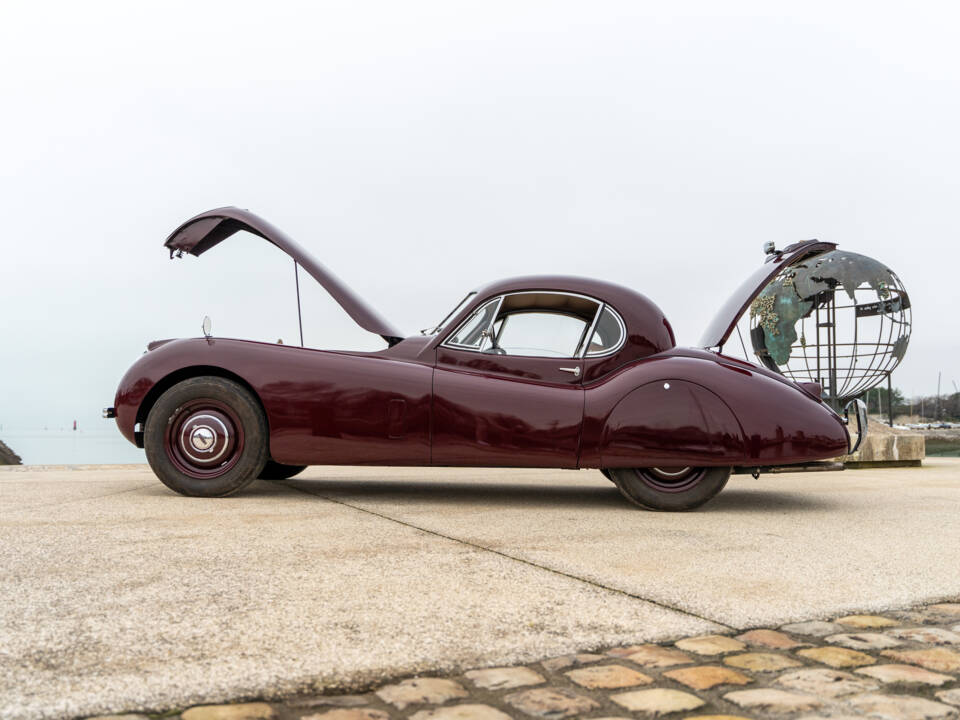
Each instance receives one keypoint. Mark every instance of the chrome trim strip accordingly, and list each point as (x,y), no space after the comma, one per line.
(589,334)
(471,348)
(620,343)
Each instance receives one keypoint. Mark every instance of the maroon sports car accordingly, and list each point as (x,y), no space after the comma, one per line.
(548,372)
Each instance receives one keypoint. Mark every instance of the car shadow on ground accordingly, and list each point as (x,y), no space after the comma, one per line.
(461,493)
(770,501)
(539,495)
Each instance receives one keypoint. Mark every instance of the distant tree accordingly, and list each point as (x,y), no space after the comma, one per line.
(926,405)
(878,401)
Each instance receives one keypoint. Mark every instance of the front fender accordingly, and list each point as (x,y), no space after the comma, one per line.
(164,364)
(322,407)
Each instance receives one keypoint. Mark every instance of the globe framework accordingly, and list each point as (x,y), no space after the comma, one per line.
(839,319)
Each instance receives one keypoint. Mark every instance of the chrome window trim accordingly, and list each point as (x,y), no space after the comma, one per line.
(582,355)
(620,343)
(472,348)
(585,340)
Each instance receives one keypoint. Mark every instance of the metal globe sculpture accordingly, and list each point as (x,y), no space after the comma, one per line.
(839,319)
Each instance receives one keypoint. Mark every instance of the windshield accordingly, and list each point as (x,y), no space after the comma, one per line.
(453,313)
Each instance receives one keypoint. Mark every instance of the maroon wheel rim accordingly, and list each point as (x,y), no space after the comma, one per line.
(204,438)
(670,479)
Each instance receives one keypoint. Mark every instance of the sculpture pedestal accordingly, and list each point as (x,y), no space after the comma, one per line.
(885,446)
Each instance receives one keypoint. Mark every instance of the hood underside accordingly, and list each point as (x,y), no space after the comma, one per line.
(730,312)
(200,233)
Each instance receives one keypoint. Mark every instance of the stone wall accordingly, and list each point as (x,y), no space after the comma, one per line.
(8,456)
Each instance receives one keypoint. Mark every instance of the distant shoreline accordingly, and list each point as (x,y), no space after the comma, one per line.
(69,447)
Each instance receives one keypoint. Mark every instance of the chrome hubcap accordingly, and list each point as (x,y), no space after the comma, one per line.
(204,438)
(670,479)
(670,473)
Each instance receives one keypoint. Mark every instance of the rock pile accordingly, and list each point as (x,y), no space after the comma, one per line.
(8,456)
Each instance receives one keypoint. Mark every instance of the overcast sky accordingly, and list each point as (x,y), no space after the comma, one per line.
(421,149)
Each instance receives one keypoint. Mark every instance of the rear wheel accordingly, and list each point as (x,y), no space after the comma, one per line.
(206,437)
(669,488)
(277,471)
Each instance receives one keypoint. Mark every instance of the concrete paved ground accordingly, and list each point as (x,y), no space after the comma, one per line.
(119,595)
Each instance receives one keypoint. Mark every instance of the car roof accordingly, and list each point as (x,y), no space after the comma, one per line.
(600,289)
(648,330)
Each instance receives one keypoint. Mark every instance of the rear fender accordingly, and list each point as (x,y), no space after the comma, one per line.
(671,422)
(714,412)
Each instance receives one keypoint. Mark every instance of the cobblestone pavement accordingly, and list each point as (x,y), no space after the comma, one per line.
(895,666)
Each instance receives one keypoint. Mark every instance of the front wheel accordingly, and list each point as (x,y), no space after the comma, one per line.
(669,488)
(206,437)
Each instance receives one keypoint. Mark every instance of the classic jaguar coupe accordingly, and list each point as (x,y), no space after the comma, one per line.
(546,372)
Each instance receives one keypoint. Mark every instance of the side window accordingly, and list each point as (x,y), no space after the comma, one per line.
(607,335)
(470,334)
(542,334)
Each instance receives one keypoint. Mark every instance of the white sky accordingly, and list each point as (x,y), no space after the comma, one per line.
(421,149)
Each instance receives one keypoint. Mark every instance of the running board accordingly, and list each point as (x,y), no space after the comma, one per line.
(822,466)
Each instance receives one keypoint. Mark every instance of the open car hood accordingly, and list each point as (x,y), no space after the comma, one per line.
(200,233)
(729,314)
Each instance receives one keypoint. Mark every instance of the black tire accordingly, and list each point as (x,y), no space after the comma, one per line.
(206,437)
(670,489)
(607,475)
(277,471)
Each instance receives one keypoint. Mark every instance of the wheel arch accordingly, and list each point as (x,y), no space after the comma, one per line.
(185,373)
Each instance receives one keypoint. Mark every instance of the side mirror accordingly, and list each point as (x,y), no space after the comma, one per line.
(207,325)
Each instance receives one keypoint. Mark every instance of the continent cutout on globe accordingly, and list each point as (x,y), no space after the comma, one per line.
(794,293)
(825,272)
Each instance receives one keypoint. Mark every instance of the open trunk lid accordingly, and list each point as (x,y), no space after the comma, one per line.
(730,312)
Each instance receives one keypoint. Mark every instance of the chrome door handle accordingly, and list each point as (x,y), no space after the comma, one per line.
(574,370)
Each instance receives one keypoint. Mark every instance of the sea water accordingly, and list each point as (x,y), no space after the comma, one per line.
(71,447)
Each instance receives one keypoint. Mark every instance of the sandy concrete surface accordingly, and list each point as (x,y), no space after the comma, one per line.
(781,548)
(120,595)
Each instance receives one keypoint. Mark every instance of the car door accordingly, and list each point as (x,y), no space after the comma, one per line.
(507,388)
